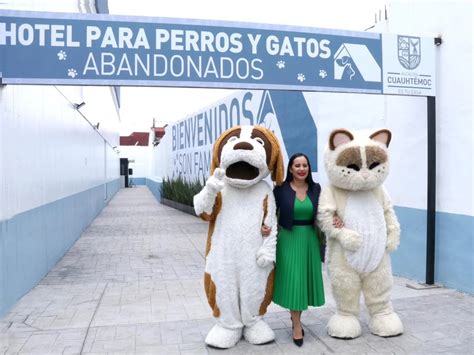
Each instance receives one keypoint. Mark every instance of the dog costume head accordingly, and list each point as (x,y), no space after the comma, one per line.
(248,154)
(357,160)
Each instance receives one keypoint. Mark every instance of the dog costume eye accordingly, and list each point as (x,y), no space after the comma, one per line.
(260,141)
(232,139)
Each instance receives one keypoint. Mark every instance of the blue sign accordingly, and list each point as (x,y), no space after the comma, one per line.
(78,49)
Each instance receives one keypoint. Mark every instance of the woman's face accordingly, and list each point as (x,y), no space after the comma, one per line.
(299,169)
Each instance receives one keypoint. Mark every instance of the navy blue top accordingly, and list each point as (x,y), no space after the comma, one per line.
(285,202)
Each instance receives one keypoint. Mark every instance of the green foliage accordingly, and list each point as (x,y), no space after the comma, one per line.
(180,190)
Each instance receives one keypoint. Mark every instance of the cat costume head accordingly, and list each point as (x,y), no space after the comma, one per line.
(357,160)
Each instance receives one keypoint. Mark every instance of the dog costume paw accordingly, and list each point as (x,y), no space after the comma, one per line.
(223,338)
(259,333)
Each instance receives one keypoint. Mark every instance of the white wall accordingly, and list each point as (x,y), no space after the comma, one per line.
(141,157)
(453,21)
(408,148)
(48,150)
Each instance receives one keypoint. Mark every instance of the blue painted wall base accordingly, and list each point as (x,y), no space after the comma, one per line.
(32,242)
(137,180)
(454,248)
(155,188)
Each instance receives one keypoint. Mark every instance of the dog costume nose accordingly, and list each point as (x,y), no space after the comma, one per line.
(243,146)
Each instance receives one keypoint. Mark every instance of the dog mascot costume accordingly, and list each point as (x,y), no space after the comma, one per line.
(236,201)
(358,254)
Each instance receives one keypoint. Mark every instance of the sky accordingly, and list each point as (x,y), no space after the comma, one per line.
(139,105)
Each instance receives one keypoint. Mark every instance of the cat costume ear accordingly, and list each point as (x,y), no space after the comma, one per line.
(383,136)
(338,137)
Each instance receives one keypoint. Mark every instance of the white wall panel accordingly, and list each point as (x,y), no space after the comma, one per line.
(161,157)
(141,157)
(452,20)
(49,151)
(113,164)
(100,108)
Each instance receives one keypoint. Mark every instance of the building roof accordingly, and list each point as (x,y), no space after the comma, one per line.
(159,131)
(136,139)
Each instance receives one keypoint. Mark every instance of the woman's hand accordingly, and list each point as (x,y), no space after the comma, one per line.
(337,222)
(266,230)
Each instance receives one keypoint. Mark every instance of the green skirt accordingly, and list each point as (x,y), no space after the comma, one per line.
(298,279)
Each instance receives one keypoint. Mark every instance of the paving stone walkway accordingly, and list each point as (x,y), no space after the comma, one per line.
(133,284)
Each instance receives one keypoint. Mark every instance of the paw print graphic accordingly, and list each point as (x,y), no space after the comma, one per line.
(301,77)
(323,73)
(61,55)
(72,73)
(280,64)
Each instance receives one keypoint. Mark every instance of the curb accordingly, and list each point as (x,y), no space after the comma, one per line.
(178,206)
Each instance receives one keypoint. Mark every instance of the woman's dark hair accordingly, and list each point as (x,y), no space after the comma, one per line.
(289,175)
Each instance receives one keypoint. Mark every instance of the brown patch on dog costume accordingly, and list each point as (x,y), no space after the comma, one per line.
(209,285)
(219,145)
(265,208)
(269,289)
(210,288)
(211,218)
(223,141)
(268,294)
(275,164)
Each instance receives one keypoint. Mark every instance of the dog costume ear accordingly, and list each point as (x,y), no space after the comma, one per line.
(219,143)
(278,173)
(276,165)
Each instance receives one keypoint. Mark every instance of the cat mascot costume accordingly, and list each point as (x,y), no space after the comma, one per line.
(358,254)
(238,276)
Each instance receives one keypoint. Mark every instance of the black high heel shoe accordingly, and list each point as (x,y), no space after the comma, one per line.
(298,342)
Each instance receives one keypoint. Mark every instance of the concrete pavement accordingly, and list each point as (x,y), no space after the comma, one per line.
(133,284)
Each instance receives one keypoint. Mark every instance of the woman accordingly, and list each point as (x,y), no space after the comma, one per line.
(298,278)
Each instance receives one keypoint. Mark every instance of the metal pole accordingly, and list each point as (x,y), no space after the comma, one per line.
(431,201)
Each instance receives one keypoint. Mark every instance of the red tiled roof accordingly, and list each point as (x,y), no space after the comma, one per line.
(136,138)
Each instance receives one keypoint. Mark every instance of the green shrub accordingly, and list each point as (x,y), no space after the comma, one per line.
(180,190)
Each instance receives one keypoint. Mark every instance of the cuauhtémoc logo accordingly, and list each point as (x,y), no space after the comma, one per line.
(410,79)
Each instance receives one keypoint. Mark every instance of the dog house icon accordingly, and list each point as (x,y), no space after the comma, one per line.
(355,62)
